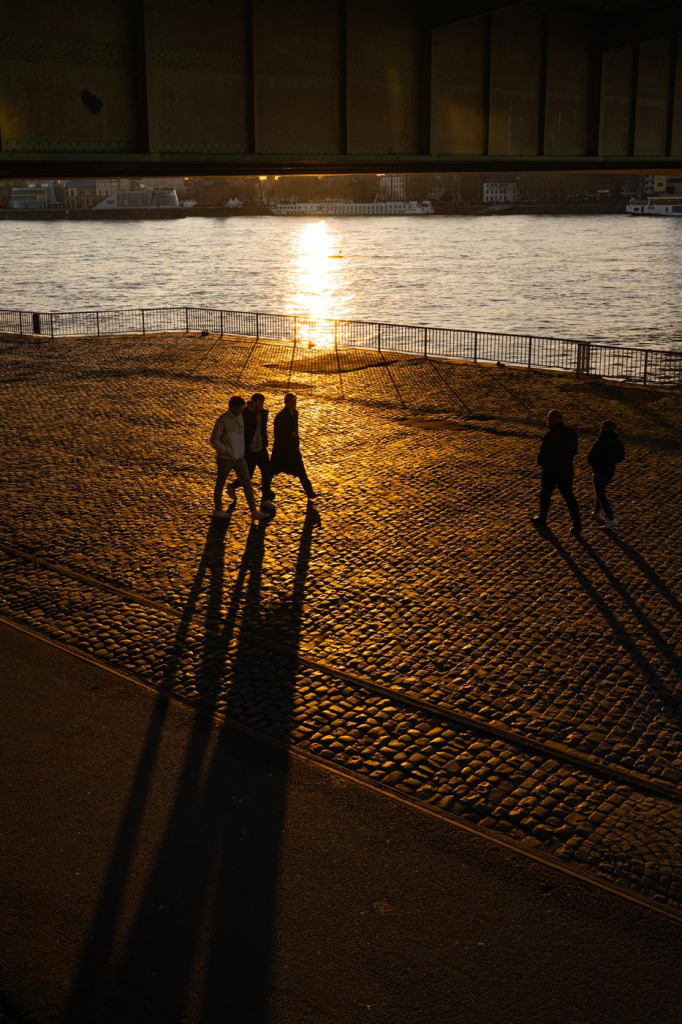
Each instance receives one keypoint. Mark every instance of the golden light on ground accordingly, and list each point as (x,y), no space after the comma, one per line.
(316,278)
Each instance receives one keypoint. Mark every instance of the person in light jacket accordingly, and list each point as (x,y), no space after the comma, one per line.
(228,440)
(256,448)
(286,450)
(604,455)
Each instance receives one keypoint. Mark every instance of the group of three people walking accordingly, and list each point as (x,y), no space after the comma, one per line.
(240,439)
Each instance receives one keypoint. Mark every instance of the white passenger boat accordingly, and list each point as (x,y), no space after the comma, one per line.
(337,208)
(656,206)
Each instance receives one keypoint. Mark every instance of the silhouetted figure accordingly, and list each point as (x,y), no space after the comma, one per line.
(228,440)
(557,451)
(604,455)
(286,450)
(256,448)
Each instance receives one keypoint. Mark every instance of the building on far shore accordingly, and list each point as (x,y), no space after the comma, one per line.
(140,199)
(38,195)
(84,194)
(392,186)
(500,191)
(177,183)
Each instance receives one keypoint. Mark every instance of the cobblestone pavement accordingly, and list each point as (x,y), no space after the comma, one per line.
(415,629)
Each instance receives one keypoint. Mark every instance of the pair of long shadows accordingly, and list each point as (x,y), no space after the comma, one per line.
(202,930)
(670,701)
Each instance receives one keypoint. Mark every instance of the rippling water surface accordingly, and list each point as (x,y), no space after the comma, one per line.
(612,278)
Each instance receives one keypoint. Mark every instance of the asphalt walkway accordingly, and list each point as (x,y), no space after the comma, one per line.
(158,867)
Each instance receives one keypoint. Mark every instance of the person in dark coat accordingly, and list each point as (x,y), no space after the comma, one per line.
(286,449)
(557,451)
(604,455)
(255,418)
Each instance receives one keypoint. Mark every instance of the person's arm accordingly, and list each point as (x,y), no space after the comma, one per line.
(620,454)
(545,448)
(217,438)
(592,456)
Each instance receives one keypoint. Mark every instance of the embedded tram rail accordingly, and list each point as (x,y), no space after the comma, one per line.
(448,682)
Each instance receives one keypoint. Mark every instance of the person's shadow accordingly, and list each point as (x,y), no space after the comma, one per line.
(669,702)
(647,571)
(199,946)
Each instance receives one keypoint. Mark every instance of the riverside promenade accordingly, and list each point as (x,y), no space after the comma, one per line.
(413,632)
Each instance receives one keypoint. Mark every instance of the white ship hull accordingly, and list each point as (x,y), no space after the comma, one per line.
(337,209)
(657,208)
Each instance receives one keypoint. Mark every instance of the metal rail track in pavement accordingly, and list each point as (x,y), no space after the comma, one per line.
(569,869)
(442,710)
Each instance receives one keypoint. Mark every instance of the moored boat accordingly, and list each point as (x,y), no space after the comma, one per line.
(337,208)
(655,206)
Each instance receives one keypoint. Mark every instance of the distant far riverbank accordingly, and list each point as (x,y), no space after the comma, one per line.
(175,213)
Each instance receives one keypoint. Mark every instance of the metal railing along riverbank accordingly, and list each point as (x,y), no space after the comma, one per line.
(636,365)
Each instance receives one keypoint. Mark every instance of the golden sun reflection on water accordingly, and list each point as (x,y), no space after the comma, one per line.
(316,276)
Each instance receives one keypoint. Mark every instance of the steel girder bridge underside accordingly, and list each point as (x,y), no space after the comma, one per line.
(306,86)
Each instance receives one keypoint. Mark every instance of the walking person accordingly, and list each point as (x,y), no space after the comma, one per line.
(286,449)
(228,440)
(604,455)
(256,449)
(557,451)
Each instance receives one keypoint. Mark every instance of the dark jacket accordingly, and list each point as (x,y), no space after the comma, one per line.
(558,449)
(286,454)
(606,452)
(249,417)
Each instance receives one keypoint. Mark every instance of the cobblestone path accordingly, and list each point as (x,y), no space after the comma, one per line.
(415,630)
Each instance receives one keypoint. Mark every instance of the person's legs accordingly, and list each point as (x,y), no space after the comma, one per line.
(597,502)
(565,485)
(250,459)
(263,463)
(244,477)
(547,485)
(602,501)
(222,472)
(305,482)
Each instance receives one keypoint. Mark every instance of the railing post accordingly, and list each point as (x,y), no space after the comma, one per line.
(221,323)
(426,343)
(646,365)
(186,320)
(257,327)
(475,346)
(295,330)
(583,358)
(97,319)
(144,330)
(51,325)
(530,353)
(379,339)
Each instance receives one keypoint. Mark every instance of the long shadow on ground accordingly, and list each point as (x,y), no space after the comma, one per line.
(200,943)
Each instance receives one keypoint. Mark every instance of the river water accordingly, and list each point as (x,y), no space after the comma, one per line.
(610,278)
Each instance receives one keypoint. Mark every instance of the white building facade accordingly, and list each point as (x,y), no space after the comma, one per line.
(393,186)
(35,195)
(500,192)
(140,199)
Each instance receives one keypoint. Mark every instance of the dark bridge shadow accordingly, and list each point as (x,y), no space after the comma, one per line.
(200,943)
